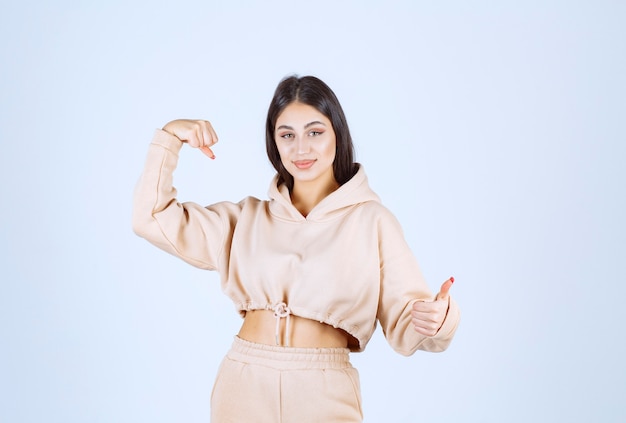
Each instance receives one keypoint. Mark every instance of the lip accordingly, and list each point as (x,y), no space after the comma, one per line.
(303,164)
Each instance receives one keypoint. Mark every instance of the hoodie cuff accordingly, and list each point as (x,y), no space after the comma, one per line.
(166,140)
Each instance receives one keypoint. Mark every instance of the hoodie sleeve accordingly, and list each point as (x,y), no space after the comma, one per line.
(196,234)
(401,284)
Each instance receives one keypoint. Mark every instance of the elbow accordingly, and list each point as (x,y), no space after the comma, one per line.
(138,229)
(140,224)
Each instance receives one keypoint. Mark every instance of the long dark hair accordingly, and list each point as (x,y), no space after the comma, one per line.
(313,92)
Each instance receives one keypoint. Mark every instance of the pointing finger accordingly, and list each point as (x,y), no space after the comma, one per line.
(207,152)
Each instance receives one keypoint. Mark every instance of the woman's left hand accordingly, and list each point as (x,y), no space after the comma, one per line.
(428,316)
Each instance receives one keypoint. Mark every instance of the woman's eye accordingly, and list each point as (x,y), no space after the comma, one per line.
(315,133)
(286,136)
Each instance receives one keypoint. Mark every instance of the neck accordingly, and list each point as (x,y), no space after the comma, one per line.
(306,195)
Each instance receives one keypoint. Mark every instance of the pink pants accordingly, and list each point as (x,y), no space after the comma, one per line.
(264,383)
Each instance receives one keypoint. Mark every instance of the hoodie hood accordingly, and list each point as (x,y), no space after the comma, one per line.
(354,192)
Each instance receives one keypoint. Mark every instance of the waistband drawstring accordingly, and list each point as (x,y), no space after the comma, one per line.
(281,310)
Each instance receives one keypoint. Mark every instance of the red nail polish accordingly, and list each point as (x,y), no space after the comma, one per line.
(452,279)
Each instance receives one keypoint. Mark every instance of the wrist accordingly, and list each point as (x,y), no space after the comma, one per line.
(170,129)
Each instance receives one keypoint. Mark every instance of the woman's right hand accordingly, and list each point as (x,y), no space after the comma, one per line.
(197,133)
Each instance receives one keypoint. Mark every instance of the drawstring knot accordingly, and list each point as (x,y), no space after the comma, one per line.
(281,310)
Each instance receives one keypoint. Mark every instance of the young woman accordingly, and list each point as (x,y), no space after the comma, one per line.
(311,270)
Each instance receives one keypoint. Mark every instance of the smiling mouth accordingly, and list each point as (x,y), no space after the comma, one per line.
(304,164)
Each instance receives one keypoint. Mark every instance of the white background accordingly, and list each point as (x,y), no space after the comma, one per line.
(493,130)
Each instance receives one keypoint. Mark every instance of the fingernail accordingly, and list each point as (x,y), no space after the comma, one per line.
(452,279)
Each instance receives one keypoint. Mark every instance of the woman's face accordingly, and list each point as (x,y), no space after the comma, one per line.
(306,143)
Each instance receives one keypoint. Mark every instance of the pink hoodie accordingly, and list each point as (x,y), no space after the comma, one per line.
(346,264)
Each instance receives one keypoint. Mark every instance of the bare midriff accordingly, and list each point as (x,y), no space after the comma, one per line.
(260,326)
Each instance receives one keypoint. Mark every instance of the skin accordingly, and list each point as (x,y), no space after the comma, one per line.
(306,143)
(428,316)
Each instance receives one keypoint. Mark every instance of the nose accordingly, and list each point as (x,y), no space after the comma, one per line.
(304,145)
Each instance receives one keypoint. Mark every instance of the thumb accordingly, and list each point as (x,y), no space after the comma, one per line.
(445,288)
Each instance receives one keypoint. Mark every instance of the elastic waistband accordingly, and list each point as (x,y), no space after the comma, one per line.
(289,358)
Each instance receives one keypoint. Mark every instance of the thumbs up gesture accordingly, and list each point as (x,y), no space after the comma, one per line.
(428,316)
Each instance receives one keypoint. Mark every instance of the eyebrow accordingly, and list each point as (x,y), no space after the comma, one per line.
(315,122)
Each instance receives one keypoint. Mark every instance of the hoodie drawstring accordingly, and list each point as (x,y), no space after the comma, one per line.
(281,310)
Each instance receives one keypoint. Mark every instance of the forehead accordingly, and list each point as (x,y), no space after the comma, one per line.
(299,114)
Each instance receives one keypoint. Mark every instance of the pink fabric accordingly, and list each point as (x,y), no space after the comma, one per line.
(274,384)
